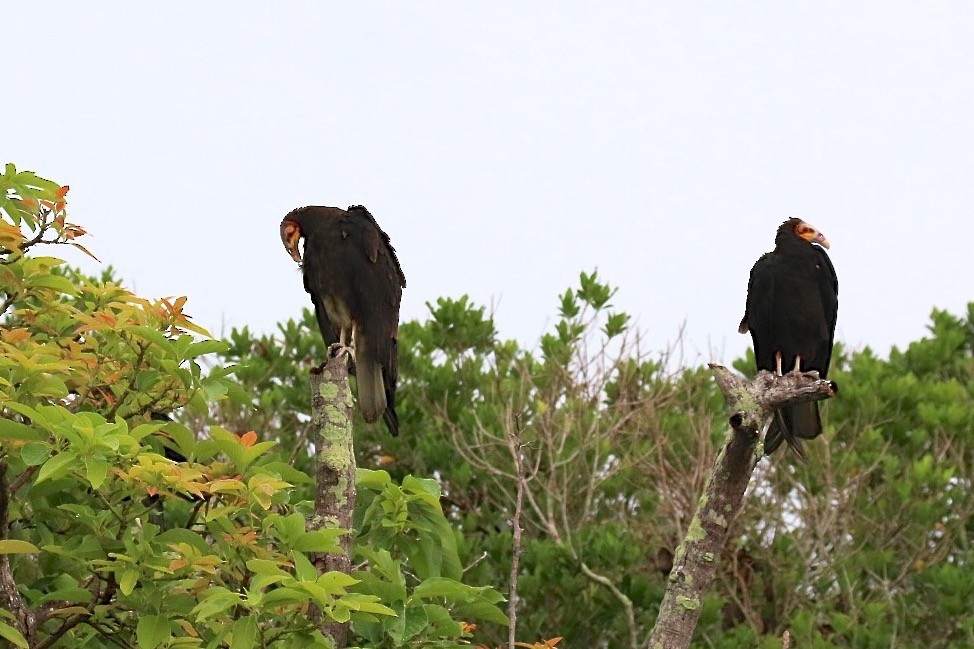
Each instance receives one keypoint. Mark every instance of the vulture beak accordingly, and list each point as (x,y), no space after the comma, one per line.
(811,235)
(290,236)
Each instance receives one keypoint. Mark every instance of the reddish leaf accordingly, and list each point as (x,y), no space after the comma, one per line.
(15,335)
(248,439)
(85,250)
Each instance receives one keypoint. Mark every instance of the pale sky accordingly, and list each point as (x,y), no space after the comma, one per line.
(506,146)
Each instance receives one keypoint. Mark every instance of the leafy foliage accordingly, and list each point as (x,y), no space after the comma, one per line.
(121,525)
(144,506)
(865,546)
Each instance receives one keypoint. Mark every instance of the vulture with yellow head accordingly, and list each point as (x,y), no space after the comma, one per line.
(352,273)
(792,302)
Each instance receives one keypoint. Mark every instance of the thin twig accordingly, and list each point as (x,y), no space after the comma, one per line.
(514,444)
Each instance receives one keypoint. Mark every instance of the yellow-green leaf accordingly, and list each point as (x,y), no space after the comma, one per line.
(13,635)
(13,546)
(244,633)
(152,631)
(128,580)
(56,282)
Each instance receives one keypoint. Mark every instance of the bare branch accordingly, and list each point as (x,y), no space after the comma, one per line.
(752,404)
(514,445)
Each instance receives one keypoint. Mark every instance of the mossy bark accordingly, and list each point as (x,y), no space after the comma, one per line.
(752,404)
(331,423)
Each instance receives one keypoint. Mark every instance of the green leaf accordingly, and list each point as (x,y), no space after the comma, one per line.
(182,535)
(152,631)
(25,410)
(443,587)
(303,568)
(415,621)
(10,429)
(127,581)
(336,582)
(13,546)
(480,611)
(96,470)
(146,380)
(426,487)
(56,282)
(265,567)
(244,633)
(69,594)
(366,604)
(7,632)
(370,479)
(287,472)
(216,601)
(285,596)
(320,541)
(206,347)
(35,453)
(149,334)
(57,466)
(290,527)
(615,324)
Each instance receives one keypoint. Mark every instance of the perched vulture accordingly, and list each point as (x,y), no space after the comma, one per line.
(792,301)
(352,273)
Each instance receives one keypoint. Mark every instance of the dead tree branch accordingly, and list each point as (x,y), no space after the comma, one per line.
(514,444)
(752,404)
(331,423)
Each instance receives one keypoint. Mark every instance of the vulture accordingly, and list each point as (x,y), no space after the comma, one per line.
(792,302)
(353,276)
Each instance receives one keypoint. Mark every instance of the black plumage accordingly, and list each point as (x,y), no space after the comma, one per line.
(792,302)
(353,276)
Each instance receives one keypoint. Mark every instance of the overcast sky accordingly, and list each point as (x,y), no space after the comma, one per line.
(506,146)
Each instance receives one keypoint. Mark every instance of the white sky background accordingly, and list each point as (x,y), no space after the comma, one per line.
(506,146)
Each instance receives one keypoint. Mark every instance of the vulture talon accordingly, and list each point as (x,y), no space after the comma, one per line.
(340,349)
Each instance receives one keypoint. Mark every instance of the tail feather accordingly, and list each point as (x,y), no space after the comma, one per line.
(790,424)
(390,416)
(392,420)
(371,388)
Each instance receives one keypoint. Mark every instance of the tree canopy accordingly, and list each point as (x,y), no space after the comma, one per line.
(155,490)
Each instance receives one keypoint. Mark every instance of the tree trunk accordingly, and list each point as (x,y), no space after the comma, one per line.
(21,617)
(752,404)
(331,422)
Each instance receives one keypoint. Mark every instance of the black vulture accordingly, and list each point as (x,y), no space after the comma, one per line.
(355,281)
(792,302)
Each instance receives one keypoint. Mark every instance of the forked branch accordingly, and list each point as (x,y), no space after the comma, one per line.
(752,404)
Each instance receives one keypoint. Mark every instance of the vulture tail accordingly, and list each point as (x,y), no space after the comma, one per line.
(391,419)
(371,388)
(791,424)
